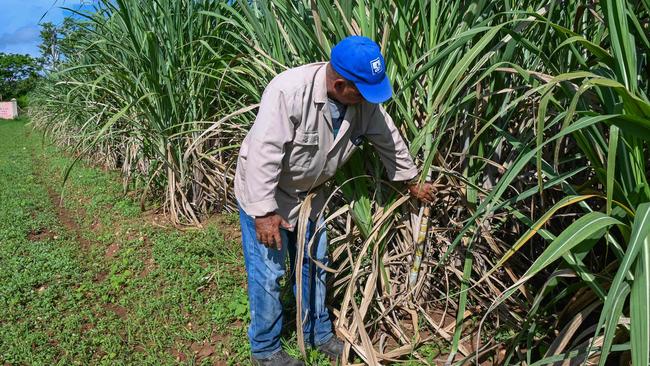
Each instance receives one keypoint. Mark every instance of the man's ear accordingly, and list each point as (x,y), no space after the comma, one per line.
(339,85)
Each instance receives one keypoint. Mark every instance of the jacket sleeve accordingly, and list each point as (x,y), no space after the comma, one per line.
(272,129)
(388,142)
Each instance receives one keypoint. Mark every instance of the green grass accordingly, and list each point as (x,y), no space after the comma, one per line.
(97,283)
(68,299)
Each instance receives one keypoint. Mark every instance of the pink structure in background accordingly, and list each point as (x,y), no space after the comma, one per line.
(9,110)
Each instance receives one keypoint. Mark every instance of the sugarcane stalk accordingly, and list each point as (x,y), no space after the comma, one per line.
(420,238)
(419,245)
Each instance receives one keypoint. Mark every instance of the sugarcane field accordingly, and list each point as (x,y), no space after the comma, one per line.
(308,182)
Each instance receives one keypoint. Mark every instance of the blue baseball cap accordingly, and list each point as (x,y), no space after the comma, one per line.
(359,60)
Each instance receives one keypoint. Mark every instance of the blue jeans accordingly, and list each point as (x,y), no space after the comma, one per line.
(265,267)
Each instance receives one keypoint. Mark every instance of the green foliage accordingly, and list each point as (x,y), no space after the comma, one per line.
(154,74)
(23,101)
(18,75)
(533,115)
(60,42)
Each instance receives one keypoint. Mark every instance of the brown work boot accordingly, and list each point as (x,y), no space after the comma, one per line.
(280,358)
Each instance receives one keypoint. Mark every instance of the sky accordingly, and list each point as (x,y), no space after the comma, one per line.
(20,19)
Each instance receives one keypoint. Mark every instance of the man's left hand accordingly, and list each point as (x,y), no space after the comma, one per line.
(423,191)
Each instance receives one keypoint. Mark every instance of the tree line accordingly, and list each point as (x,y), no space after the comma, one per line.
(19,74)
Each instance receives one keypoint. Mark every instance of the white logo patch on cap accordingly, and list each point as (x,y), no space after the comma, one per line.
(376,67)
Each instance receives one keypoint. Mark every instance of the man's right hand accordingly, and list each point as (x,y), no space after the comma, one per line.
(267,228)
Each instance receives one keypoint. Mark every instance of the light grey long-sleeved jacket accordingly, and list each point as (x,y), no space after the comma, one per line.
(291,149)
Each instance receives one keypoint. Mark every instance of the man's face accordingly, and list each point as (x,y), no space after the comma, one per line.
(346,92)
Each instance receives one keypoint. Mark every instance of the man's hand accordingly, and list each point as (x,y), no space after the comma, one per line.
(267,228)
(423,191)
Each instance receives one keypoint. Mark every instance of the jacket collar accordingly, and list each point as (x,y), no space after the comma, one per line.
(320,85)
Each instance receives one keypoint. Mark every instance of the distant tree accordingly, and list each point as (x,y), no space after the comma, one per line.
(58,42)
(71,31)
(18,75)
(50,44)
